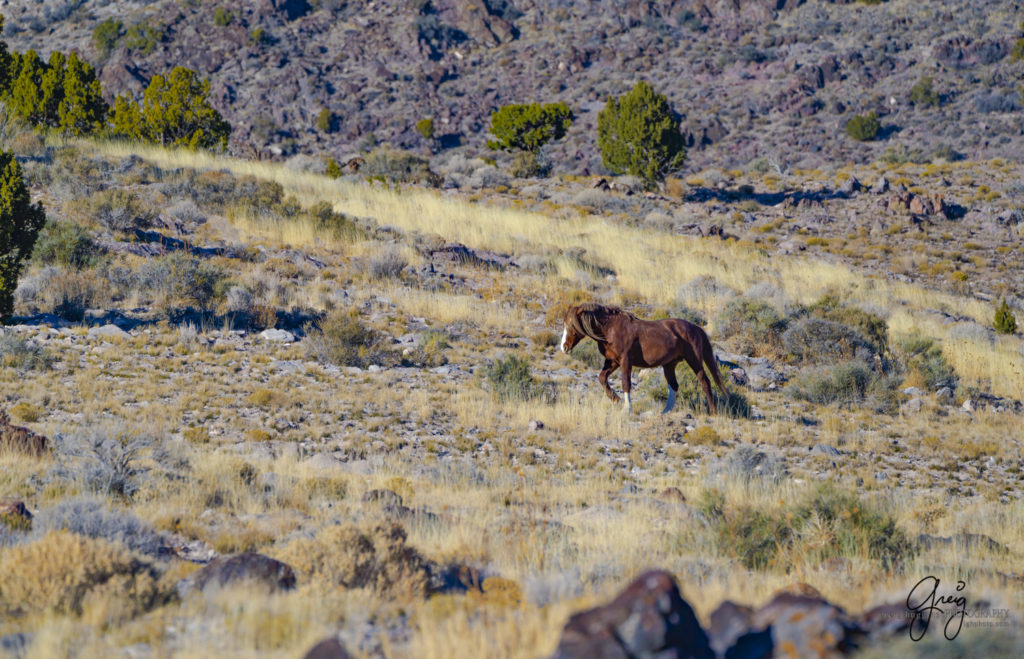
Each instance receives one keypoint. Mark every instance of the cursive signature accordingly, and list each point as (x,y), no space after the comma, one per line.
(924,600)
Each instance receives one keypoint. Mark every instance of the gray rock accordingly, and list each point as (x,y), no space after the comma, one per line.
(881,186)
(323,461)
(945,396)
(536,425)
(968,405)
(912,406)
(825,449)
(107,332)
(277,336)
(912,391)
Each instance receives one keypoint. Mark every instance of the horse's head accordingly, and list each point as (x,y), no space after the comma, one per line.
(572,332)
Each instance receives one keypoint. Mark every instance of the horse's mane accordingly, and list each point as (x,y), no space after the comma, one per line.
(590,317)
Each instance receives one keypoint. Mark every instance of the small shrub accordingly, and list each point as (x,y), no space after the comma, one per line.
(120,210)
(65,243)
(747,464)
(868,325)
(386,265)
(922,94)
(996,102)
(863,128)
(325,121)
(425,127)
(845,383)
(376,557)
(69,294)
(586,351)
(333,169)
(105,36)
(27,412)
(925,363)
(222,17)
(1004,322)
(342,340)
(511,380)
(64,572)
(180,279)
(114,462)
(527,164)
(92,518)
(144,37)
(818,341)
(18,352)
(387,164)
(755,327)
(704,436)
(259,36)
(431,350)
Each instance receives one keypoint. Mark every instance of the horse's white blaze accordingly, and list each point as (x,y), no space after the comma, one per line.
(565,335)
(671,401)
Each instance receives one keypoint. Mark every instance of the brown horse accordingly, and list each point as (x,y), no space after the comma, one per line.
(626,341)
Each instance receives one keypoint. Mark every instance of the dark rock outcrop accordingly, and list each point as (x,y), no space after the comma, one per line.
(649,618)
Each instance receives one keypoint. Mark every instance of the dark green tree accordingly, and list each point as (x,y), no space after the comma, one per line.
(638,134)
(1005,322)
(923,95)
(175,110)
(325,121)
(20,223)
(7,72)
(528,127)
(26,97)
(82,110)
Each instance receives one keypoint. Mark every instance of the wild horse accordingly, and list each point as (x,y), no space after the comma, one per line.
(626,341)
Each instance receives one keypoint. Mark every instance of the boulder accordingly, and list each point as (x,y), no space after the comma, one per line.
(649,618)
(881,186)
(383,497)
(247,568)
(277,336)
(732,636)
(329,648)
(108,332)
(17,439)
(807,626)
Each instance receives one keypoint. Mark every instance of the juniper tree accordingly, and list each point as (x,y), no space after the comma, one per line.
(638,134)
(20,223)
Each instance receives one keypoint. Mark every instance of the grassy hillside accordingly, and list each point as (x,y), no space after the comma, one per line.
(189,425)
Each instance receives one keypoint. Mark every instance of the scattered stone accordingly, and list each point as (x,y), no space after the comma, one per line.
(536,425)
(15,645)
(825,449)
(850,186)
(739,377)
(968,405)
(881,186)
(649,618)
(329,648)
(277,336)
(912,391)
(240,568)
(107,332)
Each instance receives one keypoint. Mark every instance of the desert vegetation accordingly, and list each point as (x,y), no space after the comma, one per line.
(249,404)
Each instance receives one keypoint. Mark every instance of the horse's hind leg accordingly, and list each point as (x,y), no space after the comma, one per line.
(673,386)
(606,370)
(702,378)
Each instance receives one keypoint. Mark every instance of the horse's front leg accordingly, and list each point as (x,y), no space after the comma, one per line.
(627,382)
(673,386)
(606,370)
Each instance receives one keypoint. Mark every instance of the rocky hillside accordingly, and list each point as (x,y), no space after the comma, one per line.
(771,79)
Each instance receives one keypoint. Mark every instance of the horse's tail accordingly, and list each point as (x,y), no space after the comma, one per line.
(712,364)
